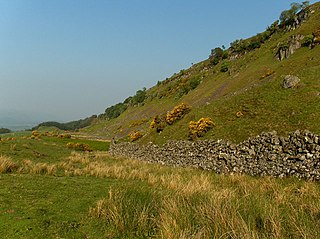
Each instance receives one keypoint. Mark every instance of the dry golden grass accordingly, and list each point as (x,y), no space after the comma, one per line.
(187,203)
(204,206)
(7,165)
(79,158)
(43,168)
(122,213)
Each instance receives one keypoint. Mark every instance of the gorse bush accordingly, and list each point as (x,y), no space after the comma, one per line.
(35,135)
(268,73)
(158,123)
(200,127)
(64,136)
(135,135)
(79,146)
(177,113)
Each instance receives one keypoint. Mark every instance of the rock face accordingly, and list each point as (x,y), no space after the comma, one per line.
(301,17)
(290,81)
(287,49)
(297,155)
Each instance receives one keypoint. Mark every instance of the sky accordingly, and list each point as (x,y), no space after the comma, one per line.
(69,59)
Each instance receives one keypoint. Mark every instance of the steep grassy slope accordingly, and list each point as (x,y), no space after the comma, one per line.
(252,86)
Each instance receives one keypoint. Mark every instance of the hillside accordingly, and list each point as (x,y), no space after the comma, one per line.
(239,88)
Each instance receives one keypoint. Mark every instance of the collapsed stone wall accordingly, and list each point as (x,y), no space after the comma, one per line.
(297,155)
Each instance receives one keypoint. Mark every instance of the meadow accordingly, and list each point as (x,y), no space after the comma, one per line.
(51,191)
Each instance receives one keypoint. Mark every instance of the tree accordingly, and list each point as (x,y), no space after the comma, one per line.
(4,131)
(216,52)
(305,4)
(139,96)
(288,16)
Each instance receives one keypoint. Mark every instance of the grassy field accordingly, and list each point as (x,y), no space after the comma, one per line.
(65,194)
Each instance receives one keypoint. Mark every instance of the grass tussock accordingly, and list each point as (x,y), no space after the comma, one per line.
(126,214)
(38,168)
(185,203)
(162,202)
(7,165)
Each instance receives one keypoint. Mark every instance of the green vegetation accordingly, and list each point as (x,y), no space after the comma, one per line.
(288,17)
(134,136)
(50,190)
(252,86)
(114,111)
(177,113)
(92,195)
(200,127)
(72,125)
(224,66)
(217,54)
(4,131)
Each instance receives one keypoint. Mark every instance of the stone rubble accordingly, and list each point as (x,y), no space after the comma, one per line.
(268,154)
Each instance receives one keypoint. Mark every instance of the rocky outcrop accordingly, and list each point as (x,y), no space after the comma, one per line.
(288,48)
(301,17)
(290,81)
(297,155)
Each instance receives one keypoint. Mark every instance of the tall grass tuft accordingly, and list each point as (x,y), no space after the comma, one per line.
(127,213)
(7,165)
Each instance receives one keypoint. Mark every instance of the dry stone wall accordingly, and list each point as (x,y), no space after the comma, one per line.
(297,155)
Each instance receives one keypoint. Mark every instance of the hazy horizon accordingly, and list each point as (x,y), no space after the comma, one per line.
(72,59)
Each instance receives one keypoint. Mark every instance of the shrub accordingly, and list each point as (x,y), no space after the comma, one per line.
(177,113)
(214,61)
(200,127)
(135,135)
(268,73)
(158,123)
(308,40)
(217,54)
(193,83)
(316,36)
(64,136)
(79,146)
(35,133)
(224,66)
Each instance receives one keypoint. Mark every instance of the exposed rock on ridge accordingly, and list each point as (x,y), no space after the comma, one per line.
(287,49)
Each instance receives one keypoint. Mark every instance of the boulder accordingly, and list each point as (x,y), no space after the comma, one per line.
(290,81)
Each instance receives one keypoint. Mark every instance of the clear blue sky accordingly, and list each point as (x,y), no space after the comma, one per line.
(74,58)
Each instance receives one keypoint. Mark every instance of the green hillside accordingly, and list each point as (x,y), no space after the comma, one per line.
(239,88)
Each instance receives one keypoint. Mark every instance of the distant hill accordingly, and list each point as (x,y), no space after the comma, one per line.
(72,125)
(17,120)
(239,88)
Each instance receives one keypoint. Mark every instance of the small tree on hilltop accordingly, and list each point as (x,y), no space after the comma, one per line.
(288,16)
